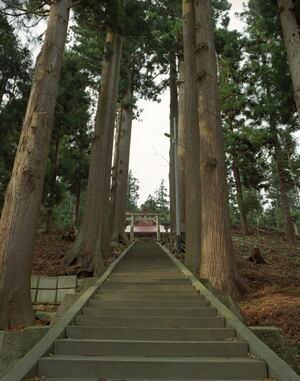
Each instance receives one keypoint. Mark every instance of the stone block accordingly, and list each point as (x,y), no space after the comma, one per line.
(273,338)
(15,344)
(67,281)
(33,295)
(48,283)
(46,297)
(61,293)
(34,281)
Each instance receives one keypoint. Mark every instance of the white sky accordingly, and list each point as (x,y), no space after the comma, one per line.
(150,148)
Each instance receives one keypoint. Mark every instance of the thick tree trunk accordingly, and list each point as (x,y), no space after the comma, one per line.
(173,125)
(85,245)
(192,171)
(217,259)
(123,169)
(77,203)
(181,143)
(239,195)
(284,196)
(291,35)
(104,249)
(21,209)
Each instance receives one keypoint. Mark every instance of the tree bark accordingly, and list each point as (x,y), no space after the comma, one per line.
(181,142)
(114,171)
(53,185)
(192,170)
(291,36)
(84,249)
(173,125)
(217,259)
(104,248)
(77,203)
(23,198)
(123,169)
(239,195)
(284,196)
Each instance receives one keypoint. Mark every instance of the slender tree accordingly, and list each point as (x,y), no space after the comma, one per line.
(122,168)
(173,133)
(181,142)
(20,212)
(217,260)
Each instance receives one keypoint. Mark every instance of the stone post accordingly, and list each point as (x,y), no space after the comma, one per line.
(132,228)
(158,229)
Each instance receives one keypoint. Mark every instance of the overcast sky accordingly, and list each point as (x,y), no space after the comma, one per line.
(149,156)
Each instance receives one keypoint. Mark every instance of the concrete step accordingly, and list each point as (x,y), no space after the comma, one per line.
(150,321)
(196,368)
(143,286)
(151,276)
(148,279)
(162,312)
(151,292)
(151,304)
(161,281)
(167,298)
(147,271)
(150,348)
(132,379)
(152,334)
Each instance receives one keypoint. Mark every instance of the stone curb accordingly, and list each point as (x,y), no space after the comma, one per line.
(276,366)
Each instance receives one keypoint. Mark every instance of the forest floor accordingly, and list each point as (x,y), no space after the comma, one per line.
(272,290)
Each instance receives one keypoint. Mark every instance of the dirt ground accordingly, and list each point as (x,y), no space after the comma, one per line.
(272,295)
(272,289)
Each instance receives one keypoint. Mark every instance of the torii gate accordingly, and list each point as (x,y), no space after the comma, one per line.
(144,216)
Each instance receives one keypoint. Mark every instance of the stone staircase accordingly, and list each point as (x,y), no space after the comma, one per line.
(147,322)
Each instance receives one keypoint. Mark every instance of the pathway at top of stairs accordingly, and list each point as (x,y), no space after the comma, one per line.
(148,323)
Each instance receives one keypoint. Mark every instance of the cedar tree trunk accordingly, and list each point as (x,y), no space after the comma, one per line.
(217,258)
(123,169)
(181,143)
(239,195)
(192,171)
(284,196)
(20,214)
(291,36)
(85,246)
(173,125)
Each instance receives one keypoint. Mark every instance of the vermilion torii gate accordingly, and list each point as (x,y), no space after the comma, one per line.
(149,220)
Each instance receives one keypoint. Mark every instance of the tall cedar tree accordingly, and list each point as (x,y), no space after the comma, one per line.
(192,170)
(290,27)
(217,259)
(23,197)
(84,249)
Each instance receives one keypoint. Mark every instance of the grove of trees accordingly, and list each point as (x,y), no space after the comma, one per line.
(66,123)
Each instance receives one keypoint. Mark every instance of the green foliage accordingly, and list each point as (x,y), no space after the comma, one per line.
(132,193)
(15,78)
(258,113)
(70,145)
(159,203)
